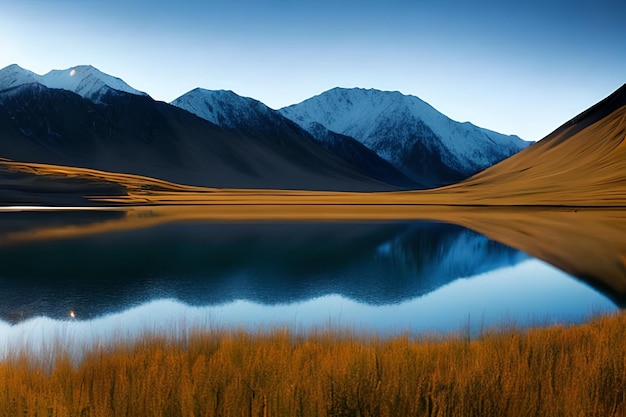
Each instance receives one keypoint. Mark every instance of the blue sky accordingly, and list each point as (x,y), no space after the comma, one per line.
(519,68)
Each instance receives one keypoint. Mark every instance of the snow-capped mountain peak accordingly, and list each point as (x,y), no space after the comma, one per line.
(406,131)
(222,107)
(84,80)
(87,81)
(14,75)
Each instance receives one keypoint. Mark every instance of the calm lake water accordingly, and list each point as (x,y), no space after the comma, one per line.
(388,277)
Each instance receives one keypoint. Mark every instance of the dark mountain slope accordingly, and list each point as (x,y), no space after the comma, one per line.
(427,146)
(254,119)
(135,134)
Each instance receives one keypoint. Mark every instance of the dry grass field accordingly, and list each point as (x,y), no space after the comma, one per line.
(555,371)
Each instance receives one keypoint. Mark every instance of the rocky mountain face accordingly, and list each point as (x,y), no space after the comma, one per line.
(427,146)
(254,119)
(84,80)
(134,134)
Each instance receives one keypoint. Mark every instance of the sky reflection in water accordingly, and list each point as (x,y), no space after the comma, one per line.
(529,293)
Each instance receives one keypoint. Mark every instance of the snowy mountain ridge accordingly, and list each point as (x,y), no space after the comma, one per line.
(405,131)
(84,80)
(397,139)
(14,76)
(251,117)
(222,107)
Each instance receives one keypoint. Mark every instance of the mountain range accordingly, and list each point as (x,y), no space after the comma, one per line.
(84,80)
(132,133)
(84,118)
(253,118)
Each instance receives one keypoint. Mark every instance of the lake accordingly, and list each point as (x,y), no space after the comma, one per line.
(79,274)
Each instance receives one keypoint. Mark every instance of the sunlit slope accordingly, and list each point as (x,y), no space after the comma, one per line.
(583,163)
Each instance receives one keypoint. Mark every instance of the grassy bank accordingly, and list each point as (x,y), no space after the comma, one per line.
(555,371)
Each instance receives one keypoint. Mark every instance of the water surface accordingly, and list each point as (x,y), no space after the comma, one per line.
(382,276)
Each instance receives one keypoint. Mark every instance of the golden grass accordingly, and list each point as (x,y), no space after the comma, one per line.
(555,371)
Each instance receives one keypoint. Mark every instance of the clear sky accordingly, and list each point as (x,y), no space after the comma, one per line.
(522,67)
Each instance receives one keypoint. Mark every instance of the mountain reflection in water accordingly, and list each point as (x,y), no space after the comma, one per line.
(211,263)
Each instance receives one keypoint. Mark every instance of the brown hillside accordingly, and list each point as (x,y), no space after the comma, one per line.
(582,163)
